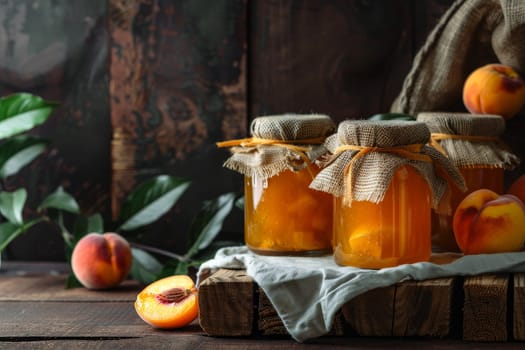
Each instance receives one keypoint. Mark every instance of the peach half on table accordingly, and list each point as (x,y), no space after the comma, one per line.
(486,222)
(494,89)
(101,261)
(170,302)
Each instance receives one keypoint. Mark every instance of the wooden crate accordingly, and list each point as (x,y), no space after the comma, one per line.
(478,308)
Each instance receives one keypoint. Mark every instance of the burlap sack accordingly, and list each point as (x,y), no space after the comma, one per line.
(470,140)
(278,143)
(383,143)
(470,34)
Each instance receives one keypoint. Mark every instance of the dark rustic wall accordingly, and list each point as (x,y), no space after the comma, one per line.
(149,86)
(59,49)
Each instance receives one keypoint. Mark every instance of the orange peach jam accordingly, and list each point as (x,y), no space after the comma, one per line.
(475,178)
(283,216)
(393,232)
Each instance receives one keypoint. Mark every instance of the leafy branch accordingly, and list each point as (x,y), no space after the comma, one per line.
(147,203)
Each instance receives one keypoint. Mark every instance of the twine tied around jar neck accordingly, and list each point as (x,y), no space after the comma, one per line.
(297,146)
(255,141)
(411,152)
(277,143)
(436,138)
(366,156)
(470,140)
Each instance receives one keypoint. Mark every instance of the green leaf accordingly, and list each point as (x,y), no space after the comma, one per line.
(210,252)
(22,112)
(12,204)
(82,226)
(208,222)
(392,116)
(174,267)
(60,200)
(9,231)
(19,151)
(72,281)
(144,268)
(88,224)
(151,200)
(239,203)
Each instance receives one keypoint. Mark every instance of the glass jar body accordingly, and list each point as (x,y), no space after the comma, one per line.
(393,232)
(476,178)
(282,216)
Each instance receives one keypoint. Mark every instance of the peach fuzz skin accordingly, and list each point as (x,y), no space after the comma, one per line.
(101,261)
(494,89)
(486,222)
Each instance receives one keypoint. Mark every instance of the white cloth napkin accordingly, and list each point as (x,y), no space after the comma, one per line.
(307,292)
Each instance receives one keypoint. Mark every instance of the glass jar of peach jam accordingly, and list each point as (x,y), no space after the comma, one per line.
(472,143)
(282,215)
(392,232)
(383,179)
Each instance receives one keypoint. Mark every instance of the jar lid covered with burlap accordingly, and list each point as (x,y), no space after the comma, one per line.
(469,140)
(366,154)
(278,143)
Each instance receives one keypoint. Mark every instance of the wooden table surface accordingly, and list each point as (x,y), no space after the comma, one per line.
(37,312)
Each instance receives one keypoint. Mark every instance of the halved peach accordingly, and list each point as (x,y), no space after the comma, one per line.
(170,302)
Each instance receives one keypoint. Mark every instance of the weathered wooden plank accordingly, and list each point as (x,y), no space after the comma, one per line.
(344,58)
(226,304)
(423,308)
(185,340)
(268,321)
(177,86)
(70,319)
(371,313)
(52,288)
(485,308)
(519,307)
(415,309)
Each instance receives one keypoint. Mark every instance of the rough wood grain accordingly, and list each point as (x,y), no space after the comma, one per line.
(423,308)
(52,288)
(268,321)
(178,85)
(518,307)
(71,319)
(226,303)
(485,308)
(344,58)
(104,323)
(371,313)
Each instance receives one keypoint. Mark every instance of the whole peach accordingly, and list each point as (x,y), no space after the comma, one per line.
(486,222)
(101,261)
(494,89)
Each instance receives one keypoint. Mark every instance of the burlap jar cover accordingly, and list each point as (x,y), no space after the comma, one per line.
(470,34)
(278,143)
(470,140)
(367,153)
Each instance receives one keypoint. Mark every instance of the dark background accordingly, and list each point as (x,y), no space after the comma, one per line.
(148,86)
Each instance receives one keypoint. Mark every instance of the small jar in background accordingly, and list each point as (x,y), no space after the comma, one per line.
(382,174)
(283,216)
(472,143)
